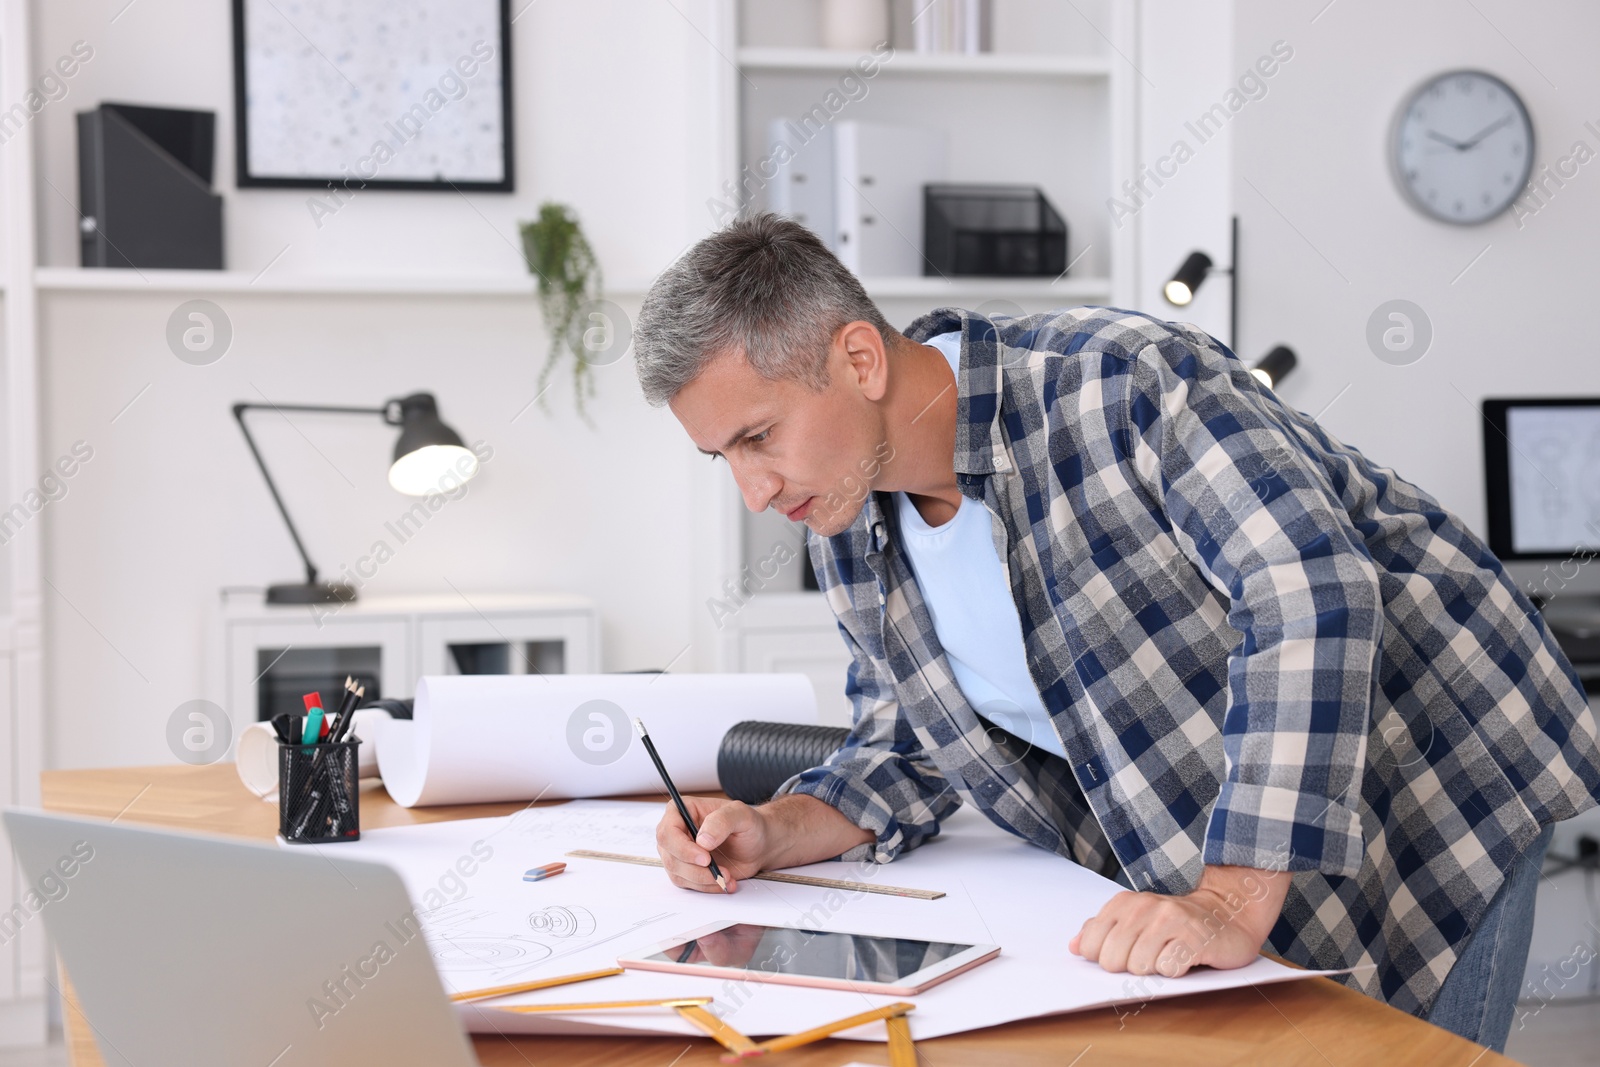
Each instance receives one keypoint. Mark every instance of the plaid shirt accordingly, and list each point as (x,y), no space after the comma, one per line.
(1258,647)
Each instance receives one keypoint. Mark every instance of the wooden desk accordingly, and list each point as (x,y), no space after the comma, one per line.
(1315,1022)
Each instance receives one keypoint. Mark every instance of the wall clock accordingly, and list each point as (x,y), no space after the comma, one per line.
(1461,147)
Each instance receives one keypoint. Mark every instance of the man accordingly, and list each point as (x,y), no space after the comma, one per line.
(1280,693)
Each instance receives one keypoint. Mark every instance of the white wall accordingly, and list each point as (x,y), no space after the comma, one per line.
(6,489)
(1327,238)
(613,115)
(607,110)
(1185,62)
(171,508)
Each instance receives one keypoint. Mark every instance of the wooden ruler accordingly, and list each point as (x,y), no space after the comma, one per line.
(700,1016)
(778,876)
(604,1005)
(899,1035)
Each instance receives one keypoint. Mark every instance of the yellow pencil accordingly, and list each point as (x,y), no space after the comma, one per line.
(525,987)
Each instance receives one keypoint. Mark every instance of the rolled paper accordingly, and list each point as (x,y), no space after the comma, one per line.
(256,758)
(479,738)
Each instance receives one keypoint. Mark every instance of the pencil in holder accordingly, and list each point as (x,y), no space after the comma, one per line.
(319,792)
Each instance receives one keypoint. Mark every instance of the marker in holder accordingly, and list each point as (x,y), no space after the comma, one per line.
(319,792)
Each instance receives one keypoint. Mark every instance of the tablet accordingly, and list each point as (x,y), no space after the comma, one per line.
(826,959)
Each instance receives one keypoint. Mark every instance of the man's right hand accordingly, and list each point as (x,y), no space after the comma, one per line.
(787,832)
(735,831)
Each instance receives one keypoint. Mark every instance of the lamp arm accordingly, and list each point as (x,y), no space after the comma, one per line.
(238,415)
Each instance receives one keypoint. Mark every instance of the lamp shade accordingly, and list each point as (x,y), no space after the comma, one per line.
(428,452)
(1181,289)
(1274,365)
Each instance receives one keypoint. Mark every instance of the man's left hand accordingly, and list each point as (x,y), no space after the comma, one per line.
(1223,924)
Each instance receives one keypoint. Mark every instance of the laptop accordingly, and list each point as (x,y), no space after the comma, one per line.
(194,949)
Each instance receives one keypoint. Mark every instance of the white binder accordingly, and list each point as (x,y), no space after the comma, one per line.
(803,188)
(880,169)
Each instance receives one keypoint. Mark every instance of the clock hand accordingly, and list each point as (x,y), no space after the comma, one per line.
(1437,136)
(1486,132)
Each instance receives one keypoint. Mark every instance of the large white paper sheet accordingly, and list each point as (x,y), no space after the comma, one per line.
(479,738)
(492,928)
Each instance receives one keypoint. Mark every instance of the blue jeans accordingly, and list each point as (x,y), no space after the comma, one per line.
(1479,997)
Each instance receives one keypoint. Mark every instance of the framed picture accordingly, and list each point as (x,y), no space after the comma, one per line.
(409,94)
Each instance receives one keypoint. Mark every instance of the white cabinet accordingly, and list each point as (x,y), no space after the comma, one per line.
(509,642)
(781,632)
(269,654)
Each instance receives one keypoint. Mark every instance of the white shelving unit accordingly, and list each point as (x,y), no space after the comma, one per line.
(521,286)
(1026,289)
(23,1013)
(986,65)
(1064,120)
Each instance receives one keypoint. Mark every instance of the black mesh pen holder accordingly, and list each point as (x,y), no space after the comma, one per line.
(319,792)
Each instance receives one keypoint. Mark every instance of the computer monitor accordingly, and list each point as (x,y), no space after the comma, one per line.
(1542,476)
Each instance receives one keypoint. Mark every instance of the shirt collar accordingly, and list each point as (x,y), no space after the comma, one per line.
(980,447)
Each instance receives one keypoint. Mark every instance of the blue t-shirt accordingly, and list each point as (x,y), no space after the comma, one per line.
(964,586)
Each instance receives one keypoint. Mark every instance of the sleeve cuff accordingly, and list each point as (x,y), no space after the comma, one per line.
(1275,829)
(867,810)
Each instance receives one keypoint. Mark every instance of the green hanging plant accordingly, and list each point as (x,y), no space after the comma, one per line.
(569,281)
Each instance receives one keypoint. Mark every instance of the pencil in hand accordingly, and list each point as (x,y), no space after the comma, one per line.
(683,809)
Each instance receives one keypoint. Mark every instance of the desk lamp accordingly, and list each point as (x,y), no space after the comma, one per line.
(426,451)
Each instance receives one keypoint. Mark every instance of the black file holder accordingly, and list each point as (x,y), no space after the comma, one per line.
(995,231)
(144,188)
(319,792)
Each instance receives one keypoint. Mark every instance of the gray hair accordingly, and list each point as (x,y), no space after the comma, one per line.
(764,286)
